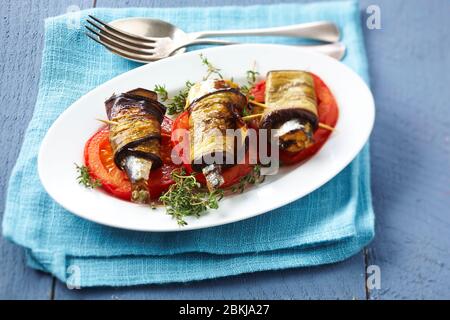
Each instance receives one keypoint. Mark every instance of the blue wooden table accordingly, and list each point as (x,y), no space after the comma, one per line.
(410,70)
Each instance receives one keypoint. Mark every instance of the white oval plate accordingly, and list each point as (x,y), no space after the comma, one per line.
(57,156)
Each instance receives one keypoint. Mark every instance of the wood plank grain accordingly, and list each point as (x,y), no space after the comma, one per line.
(21,39)
(339,281)
(411,149)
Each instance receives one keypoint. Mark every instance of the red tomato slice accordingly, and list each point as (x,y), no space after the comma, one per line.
(98,157)
(234,174)
(160,179)
(259,91)
(100,161)
(180,142)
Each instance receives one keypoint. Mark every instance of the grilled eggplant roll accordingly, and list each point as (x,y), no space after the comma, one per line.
(135,134)
(291,108)
(215,106)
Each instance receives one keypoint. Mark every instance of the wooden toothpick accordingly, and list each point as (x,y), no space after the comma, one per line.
(251,117)
(326,127)
(256,103)
(108,122)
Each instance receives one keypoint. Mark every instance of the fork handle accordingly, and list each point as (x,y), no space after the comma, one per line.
(202,41)
(335,50)
(322,30)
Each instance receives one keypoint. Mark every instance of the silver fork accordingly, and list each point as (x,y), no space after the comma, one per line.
(147,49)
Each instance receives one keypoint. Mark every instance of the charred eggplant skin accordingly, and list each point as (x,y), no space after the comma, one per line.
(276,117)
(210,116)
(235,100)
(137,132)
(148,104)
(290,94)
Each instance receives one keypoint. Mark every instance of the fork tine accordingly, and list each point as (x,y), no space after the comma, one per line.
(115,43)
(122,33)
(119,38)
(137,57)
(120,42)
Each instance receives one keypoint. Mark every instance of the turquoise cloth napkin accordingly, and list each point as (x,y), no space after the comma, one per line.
(329,225)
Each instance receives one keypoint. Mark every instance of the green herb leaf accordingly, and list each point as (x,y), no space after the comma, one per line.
(254,177)
(251,76)
(162,92)
(186,197)
(211,70)
(178,102)
(245,89)
(84,177)
(245,111)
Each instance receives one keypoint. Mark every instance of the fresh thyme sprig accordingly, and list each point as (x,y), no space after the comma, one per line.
(187,198)
(251,76)
(254,177)
(84,177)
(211,70)
(162,92)
(177,103)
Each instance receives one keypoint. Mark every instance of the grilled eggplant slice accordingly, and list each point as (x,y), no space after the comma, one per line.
(291,108)
(214,107)
(135,134)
